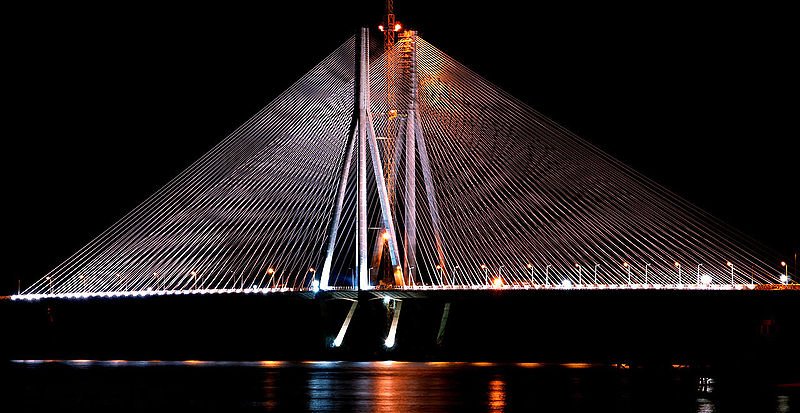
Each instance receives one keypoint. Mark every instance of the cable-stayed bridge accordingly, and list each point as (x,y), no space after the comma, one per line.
(450,184)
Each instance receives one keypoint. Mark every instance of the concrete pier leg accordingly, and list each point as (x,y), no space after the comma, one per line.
(443,324)
(390,338)
(342,331)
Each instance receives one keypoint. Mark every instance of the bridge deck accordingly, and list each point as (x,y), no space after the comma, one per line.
(409,292)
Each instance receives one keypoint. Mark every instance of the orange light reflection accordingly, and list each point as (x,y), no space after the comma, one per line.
(497,395)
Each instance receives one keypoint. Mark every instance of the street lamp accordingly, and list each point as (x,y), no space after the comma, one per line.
(194,277)
(595,273)
(455,273)
(730,264)
(698,273)
(785,277)
(50,284)
(486,273)
(645,272)
(500,273)
(411,275)
(628,267)
(547,274)
(313,272)
(530,267)
(580,273)
(678,266)
(441,274)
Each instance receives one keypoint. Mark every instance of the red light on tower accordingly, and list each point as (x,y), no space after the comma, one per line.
(397,27)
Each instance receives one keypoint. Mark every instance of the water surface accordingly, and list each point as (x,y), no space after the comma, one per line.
(397,387)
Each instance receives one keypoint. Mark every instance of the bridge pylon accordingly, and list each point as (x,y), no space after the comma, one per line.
(363,133)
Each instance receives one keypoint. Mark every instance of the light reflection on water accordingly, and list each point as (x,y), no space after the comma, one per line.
(397,387)
(497,394)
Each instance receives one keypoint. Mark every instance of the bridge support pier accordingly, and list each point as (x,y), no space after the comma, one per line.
(337,342)
(390,338)
(443,324)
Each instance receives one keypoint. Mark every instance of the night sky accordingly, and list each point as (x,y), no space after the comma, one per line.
(104,106)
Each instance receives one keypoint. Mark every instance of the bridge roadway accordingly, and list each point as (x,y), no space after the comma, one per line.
(420,291)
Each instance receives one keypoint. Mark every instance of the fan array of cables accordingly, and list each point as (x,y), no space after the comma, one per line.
(505,197)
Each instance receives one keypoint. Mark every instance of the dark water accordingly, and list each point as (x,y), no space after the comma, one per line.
(396,387)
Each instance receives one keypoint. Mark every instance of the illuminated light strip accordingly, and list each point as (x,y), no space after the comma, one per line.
(578,365)
(120,294)
(530,365)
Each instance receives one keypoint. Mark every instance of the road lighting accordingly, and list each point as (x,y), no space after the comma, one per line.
(411,275)
(50,284)
(498,282)
(441,274)
(698,273)
(500,273)
(595,273)
(785,277)
(645,272)
(678,266)
(730,264)
(547,274)
(628,267)
(486,273)
(455,273)
(580,273)
(194,277)
(313,272)
(530,267)
(369,274)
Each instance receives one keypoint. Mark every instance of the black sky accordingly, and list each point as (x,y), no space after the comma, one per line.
(104,105)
